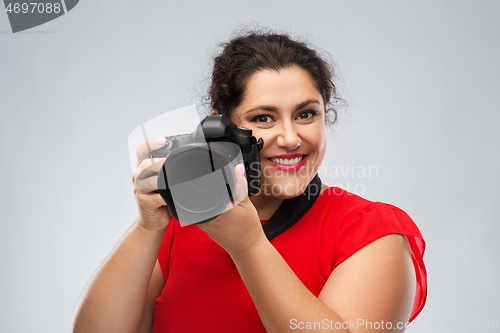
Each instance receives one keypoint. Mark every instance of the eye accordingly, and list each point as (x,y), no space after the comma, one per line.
(263,118)
(306,115)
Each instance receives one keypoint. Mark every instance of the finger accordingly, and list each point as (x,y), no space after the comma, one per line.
(145,149)
(147,185)
(148,167)
(150,201)
(240,191)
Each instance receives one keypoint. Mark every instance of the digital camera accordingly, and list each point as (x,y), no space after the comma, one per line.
(197,178)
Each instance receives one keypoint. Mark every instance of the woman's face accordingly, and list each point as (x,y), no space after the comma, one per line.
(286,110)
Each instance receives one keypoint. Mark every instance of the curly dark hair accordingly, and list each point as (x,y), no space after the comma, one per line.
(255,51)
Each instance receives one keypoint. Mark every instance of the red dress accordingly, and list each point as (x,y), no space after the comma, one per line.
(204,292)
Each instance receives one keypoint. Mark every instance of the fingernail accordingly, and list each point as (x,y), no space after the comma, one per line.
(161,141)
(242,170)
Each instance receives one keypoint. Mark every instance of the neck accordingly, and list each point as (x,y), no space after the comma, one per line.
(266,206)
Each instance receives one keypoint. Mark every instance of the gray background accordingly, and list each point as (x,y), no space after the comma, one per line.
(421,79)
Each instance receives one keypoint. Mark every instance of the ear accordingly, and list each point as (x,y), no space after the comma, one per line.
(215,112)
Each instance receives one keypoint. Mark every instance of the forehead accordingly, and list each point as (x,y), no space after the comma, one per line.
(284,88)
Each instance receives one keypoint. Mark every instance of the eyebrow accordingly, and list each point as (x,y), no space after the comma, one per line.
(275,109)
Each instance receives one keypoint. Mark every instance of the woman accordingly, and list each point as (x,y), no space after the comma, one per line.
(348,265)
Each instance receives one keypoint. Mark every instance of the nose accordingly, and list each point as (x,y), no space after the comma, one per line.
(289,137)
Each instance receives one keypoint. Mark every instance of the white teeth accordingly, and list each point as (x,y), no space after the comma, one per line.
(287,161)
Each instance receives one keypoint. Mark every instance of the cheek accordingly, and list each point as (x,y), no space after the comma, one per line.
(316,138)
(318,144)
(322,145)
(322,142)
(265,135)
(321,153)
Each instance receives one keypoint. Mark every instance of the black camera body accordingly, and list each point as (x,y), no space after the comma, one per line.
(197,178)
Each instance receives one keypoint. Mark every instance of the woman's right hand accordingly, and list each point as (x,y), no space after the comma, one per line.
(153,211)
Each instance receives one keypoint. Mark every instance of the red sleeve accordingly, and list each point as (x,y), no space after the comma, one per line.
(166,245)
(374,221)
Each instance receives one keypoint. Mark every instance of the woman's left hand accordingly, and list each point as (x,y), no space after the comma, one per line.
(238,228)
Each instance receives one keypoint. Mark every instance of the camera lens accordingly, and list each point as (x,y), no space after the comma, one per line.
(200,179)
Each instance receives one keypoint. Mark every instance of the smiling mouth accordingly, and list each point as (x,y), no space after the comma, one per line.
(287,161)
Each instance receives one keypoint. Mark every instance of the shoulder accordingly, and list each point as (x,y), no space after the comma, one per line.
(351,208)
(340,205)
(342,199)
(376,228)
(357,221)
